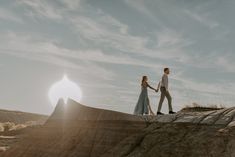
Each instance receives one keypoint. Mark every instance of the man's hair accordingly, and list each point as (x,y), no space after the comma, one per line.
(165,69)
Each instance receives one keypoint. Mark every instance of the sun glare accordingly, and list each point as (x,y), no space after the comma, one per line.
(64,89)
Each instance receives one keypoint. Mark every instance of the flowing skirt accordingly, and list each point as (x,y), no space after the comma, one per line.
(142,104)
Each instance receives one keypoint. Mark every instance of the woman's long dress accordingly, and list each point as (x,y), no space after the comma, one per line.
(143,102)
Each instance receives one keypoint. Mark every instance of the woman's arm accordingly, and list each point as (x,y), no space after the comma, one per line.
(150,86)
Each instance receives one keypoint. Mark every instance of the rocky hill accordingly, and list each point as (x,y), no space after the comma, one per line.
(18,117)
(74,130)
(14,126)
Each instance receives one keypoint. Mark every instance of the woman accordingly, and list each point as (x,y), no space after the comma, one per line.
(143,106)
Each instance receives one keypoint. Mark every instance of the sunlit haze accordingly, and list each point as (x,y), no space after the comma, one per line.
(64,89)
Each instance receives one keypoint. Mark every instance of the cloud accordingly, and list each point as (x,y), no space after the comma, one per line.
(9,16)
(106,32)
(202,18)
(41,9)
(144,7)
(109,33)
(29,47)
(103,30)
(55,10)
(72,4)
(226,63)
(168,38)
(194,90)
(140,5)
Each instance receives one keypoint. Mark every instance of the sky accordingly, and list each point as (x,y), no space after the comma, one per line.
(106,46)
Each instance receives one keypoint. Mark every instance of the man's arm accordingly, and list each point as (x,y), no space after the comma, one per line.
(158,86)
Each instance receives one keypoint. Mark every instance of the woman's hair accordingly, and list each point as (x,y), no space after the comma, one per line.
(143,79)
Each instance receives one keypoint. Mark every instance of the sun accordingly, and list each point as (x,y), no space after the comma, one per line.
(64,89)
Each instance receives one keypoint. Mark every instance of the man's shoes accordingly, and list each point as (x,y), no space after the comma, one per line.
(159,113)
(171,112)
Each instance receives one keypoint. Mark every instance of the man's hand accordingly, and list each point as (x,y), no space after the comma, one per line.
(156,90)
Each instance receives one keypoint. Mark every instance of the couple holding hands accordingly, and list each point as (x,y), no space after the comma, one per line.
(143,105)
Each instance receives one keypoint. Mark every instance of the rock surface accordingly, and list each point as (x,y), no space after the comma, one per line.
(74,130)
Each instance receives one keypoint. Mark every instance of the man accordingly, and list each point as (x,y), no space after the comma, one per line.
(163,85)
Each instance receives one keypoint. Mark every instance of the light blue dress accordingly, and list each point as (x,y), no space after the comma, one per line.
(143,102)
